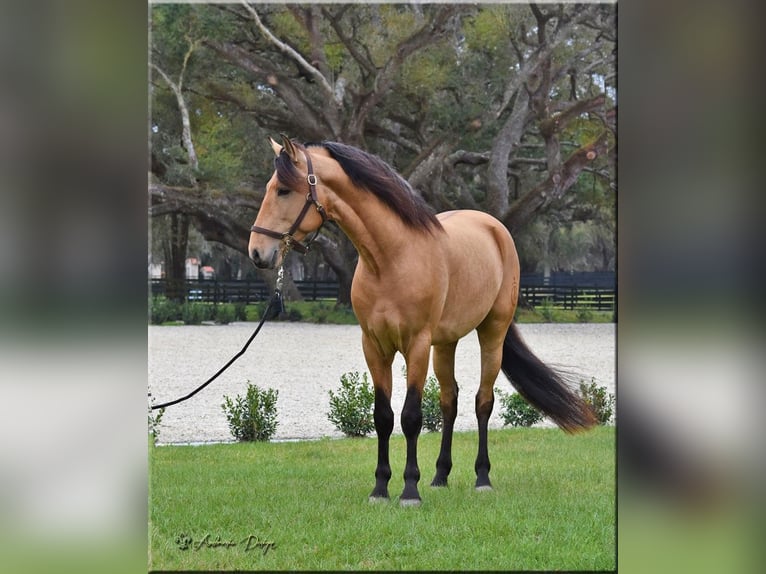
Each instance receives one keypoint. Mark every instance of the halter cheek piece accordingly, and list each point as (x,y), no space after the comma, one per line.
(311,199)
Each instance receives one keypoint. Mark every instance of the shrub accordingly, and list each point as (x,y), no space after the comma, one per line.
(351,409)
(432,410)
(599,400)
(224,313)
(195,313)
(154,421)
(240,312)
(547,310)
(584,315)
(162,310)
(254,417)
(516,411)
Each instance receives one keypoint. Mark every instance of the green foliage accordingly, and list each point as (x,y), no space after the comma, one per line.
(584,315)
(224,313)
(323,312)
(599,400)
(240,312)
(254,417)
(351,409)
(432,411)
(154,420)
(488,30)
(221,156)
(162,310)
(516,411)
(562,316)
(193,313)
(547,311)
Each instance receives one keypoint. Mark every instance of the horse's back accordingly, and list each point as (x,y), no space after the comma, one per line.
(475,238)
(483,270)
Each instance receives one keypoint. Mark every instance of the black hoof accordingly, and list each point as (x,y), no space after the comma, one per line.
(379,492)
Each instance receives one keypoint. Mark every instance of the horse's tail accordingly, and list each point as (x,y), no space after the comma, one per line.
(544,388)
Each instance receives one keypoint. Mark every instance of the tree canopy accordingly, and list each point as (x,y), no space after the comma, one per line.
(506,108)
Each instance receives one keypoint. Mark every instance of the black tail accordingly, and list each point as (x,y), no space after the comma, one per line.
(545,389)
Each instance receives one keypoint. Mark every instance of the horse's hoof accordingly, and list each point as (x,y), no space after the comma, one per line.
(409,502)
(377,499)
(484,488)
(439,483)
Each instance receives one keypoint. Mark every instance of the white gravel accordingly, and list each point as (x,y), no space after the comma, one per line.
(304,361)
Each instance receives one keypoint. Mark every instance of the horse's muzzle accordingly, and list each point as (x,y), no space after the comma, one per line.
(262,262)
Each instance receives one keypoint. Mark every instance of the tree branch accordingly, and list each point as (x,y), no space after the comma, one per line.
(289,51)
(220,226)
(556,185)
(185,121)
(334,20)
(429,33)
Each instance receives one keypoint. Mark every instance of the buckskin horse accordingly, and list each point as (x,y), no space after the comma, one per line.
(422,281)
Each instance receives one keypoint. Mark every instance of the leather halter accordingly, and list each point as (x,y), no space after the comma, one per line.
(311,199)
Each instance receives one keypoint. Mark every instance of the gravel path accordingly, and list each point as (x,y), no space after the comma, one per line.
(303,361)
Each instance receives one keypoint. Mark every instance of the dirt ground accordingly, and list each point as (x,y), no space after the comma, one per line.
(305,361)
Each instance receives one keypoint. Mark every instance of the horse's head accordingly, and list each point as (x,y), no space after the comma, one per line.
(290,209)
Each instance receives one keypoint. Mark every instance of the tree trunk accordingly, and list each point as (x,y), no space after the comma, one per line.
(340,254)
(502,148)
(175,257)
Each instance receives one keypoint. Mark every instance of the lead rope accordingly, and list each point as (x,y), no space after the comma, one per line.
(275,304)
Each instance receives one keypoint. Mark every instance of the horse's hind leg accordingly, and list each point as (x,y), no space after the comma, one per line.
(491,334)
(444,367)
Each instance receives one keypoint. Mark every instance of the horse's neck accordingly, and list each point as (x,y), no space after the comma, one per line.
(379,235)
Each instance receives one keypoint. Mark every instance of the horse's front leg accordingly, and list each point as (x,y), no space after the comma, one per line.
(380,369)
(412,417)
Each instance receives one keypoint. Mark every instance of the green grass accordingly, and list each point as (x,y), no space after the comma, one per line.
(325,311)
(563,316)
(552,507)
(321,311)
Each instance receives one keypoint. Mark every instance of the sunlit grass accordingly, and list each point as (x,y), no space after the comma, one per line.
(306,504)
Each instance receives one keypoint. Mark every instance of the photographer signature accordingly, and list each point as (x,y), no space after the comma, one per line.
(249,544)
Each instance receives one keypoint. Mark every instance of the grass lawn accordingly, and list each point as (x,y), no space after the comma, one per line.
(304,505)
(325,311)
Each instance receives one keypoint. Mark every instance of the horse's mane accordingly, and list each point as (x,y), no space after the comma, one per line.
(371,173)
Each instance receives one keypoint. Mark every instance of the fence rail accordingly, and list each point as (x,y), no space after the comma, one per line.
(569,297)
(596,298)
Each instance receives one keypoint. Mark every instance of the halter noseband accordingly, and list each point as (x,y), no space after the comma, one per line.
(311,199)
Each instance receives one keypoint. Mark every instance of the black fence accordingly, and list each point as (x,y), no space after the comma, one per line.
(243,291)
(594,291)
(568,297)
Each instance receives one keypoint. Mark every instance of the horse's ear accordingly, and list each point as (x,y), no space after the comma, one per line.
(290,148)
(275,146)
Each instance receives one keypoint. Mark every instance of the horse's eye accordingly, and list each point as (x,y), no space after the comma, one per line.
(282,191)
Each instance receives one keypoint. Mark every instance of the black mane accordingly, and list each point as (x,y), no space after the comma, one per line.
(369,172)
